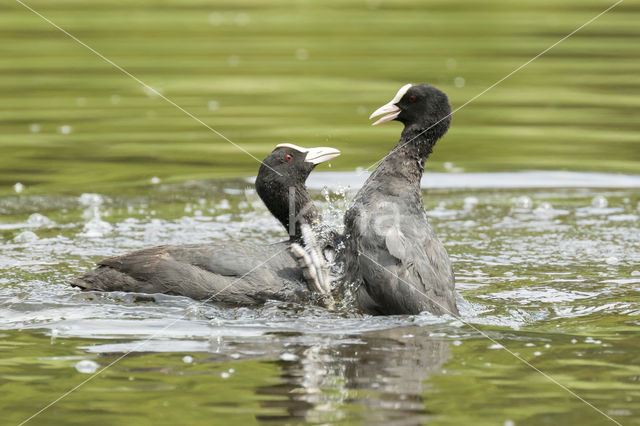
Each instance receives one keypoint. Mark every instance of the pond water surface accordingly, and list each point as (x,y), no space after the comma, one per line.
(549,270)
(552,275)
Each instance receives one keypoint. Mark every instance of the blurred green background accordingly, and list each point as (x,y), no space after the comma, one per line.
(310,73)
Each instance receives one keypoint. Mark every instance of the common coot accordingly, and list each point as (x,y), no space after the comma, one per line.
(237,273)
(392,255)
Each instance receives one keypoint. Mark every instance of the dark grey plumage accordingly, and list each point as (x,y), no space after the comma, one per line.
(228,272)
(391,252)
(222,272)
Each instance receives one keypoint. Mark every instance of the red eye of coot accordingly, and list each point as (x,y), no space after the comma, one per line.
(288,158)
(412,99)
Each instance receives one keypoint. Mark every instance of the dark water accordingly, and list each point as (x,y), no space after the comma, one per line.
(550,274)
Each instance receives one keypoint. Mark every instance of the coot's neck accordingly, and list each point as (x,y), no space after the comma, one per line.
(289,203)
(406,160)
(305,212)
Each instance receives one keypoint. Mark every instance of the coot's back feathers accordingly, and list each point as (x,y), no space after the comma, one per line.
(225,273)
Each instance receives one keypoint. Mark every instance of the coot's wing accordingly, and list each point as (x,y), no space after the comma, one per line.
(231,273)
(414,265)
(221,259)
(228,259)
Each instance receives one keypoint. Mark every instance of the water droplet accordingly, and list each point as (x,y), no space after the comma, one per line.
(612,260)
(233,61)
(224,375)
(470,202)
(302,54)
(193,312)
(34,128)
(537,353)
(25,237)
(459,82)
(242,19)
(96,228)
(544,210)
(524,202)
(223,205)
(457,343)
(87,366)
(635,273)
(213,105)
(18,187)
(509,423)
(65,130)
(496,346)
(288,356)
(81,102)
(448,166)
(187,359)
(36,219)
(90,199)
(451,64)
(215,18)
(115,99)
(155,180)
(599,202)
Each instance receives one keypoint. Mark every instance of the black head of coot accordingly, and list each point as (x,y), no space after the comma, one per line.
(420,108)
(283,174)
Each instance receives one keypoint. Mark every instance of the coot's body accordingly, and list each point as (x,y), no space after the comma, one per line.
(230,272)
(392,253)
(238,274)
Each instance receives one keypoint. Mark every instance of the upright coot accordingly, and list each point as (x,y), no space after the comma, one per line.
(391,252)
(233,272)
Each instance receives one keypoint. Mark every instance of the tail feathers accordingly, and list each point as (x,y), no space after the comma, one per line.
(105,278)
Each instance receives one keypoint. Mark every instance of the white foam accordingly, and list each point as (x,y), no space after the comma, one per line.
(87,366)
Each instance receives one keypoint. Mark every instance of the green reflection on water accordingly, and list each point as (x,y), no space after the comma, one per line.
(141,389)
(310,73)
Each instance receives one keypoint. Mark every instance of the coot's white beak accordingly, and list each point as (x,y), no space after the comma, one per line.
(321,154)
(391,109)
(314,155)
